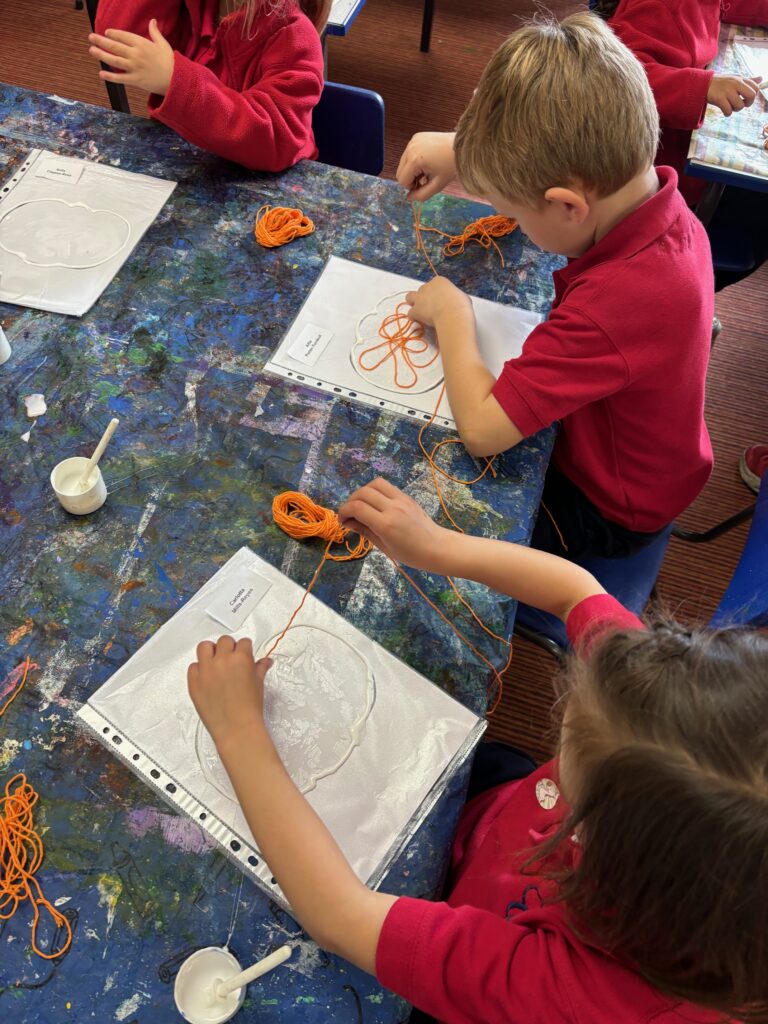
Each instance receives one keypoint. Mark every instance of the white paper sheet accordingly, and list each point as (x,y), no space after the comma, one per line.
(340,318)
(66,228)
(371,742)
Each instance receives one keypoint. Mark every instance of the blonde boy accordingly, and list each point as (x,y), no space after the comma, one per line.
(561,135)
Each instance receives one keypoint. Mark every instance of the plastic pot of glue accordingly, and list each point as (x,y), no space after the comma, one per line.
(210,986)
(66,480)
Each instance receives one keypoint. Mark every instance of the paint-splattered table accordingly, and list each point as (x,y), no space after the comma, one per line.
(175,348)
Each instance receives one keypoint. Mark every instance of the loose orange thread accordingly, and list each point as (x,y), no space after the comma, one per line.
(21,854)
(484,231)
(19,688)
(299,517)
(276,225)
(404,339)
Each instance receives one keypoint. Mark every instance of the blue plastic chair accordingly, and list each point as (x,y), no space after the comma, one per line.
(348,123)
(745,602)
(630,580)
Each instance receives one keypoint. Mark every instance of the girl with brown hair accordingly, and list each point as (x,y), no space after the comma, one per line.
(624,882)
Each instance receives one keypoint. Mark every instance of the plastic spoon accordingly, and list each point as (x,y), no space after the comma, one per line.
(94,459)
(222,987)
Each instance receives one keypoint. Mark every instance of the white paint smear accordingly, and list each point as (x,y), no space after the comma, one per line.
(35,405)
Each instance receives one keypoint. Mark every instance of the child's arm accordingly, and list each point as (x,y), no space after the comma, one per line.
(401,529)
(135,16)
(681,92)
(483,425)
(745,12)
(332,904)
(427,164)
(265,127)
(226,686)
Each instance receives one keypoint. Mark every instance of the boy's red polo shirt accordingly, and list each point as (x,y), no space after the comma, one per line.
(622,362)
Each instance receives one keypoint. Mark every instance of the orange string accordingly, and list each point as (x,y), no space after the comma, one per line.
(402,337)
(484,231)
(21,854)
(299,517)
(276,225)
(19,688)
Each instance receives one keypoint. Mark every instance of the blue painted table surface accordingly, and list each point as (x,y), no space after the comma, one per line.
(175,347)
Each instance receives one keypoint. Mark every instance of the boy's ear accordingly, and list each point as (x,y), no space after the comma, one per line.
(573,202)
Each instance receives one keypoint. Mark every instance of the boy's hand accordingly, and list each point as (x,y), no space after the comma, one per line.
(227,688)
(437,299)
(396,525)
(732,92)
(147,63)
(427,164)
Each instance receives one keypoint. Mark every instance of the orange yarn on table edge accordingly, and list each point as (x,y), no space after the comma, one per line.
(22,852)
(277,225)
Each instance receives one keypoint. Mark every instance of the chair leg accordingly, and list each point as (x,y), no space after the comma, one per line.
(534,637)
(426,25)
(716,531)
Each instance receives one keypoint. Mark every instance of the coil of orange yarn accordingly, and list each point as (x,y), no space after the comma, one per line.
(277,225)
(21,854)
(301,518)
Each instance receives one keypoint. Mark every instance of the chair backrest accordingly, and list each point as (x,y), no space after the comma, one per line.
(630,580)
(349,128)
(745,602)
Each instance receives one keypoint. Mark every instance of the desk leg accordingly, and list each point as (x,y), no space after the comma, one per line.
(324,41)
(426,25)
(706,206)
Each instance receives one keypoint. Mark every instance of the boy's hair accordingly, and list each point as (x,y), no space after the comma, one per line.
(558,104)
(665,742)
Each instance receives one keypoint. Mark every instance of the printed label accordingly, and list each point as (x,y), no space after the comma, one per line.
(60,170)
(239,599)
(310,344)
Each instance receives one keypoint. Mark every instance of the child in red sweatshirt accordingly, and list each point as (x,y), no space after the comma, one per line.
(675,40)
(237,77)
(623,883)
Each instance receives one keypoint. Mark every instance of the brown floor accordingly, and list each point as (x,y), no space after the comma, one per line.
(43,47)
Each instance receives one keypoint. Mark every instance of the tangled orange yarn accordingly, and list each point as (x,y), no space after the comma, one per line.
(404,339)
(21,854)
(276,225)
(484,231)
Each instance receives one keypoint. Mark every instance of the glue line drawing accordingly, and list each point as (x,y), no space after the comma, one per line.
(315,737)
(65,238)
(395,353)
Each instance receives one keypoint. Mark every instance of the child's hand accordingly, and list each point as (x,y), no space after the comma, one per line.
(732,92)
(437,299)
(396,525)
(147,63)
(227,688)
(427,164)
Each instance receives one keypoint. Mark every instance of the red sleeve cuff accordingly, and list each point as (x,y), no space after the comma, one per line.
(514,404)
(595,616)
(397,950)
